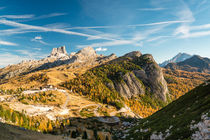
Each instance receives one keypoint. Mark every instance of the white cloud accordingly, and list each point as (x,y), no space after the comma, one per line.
(151,9)
(100,49)
(200,27)
(17,16)
(39,39)
(5,43)
(183,29)
(192,31)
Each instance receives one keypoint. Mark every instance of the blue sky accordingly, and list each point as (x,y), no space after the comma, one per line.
(29,29)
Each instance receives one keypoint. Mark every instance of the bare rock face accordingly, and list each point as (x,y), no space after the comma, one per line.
(59,52)
(152,76)
(149,78)
(130,86)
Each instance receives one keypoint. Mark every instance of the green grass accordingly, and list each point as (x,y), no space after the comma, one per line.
(178,114)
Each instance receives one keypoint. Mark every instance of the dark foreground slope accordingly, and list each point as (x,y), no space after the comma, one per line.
(179,119)
(9,132)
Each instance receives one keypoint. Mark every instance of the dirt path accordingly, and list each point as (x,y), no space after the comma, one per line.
(50,89)
(95,110)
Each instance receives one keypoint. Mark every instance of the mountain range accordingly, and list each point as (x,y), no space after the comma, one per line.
(92,96)
(178,58)
(195,63)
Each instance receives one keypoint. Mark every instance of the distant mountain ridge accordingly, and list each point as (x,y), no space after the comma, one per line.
(178,58)
(58,57)
(195,63)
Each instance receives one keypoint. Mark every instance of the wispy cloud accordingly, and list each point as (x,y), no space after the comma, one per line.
(157,38)
(107,44)
(45,16)
(31,54)
(8,58)
(196,34)
(45,29)
(39,39)
(5,43)
(112,43)
(152,9)
(17,16)
(100,49)
(134,25)
(1,8)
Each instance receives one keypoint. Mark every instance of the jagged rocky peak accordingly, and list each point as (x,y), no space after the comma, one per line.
(87,52)
(59,52)
(133,54)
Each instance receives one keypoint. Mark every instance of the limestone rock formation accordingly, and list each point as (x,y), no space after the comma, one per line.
(59,52)
(85,54)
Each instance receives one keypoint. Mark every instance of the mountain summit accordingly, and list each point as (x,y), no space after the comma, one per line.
(59,52)
(178,58)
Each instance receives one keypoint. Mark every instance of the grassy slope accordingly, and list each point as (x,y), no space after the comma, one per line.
(178,114)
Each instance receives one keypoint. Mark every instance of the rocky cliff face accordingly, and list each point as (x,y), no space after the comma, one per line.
(150,78)
(129,86)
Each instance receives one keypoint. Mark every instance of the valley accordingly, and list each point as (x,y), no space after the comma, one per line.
(90,96)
